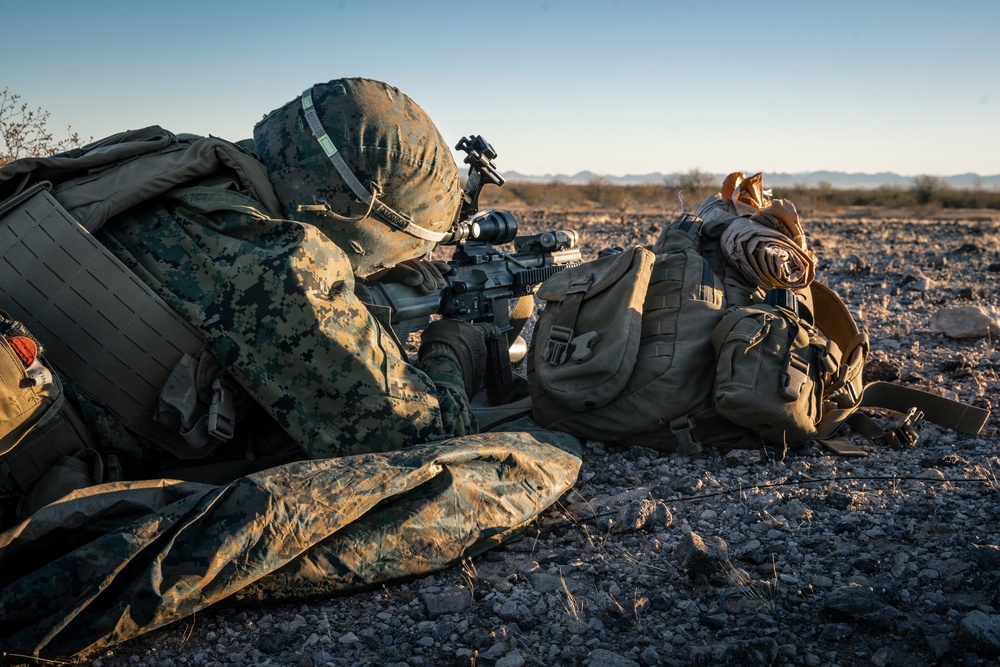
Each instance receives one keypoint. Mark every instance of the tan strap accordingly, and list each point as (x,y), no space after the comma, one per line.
(832,316)
(955,415)
(519,315)
(958,416)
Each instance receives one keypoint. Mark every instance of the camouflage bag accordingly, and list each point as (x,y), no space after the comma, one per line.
(718,360)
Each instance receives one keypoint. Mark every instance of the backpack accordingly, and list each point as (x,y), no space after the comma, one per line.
(673,348)
(105,330)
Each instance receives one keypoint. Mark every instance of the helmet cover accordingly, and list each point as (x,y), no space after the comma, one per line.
(389,144)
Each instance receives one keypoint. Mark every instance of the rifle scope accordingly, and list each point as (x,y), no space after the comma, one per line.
(493,227)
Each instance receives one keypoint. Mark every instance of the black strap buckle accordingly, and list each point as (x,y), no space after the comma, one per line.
(557,345)
(906,431)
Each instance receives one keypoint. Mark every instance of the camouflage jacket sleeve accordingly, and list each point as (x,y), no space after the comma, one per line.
(275,301)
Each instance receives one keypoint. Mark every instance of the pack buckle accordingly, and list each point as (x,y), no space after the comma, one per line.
(795,378)
(222,412)
(906,431)
(557,345)
(682,428)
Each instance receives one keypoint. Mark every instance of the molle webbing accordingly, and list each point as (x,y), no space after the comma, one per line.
(106,331)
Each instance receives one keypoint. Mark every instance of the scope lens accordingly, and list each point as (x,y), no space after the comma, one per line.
(494,227)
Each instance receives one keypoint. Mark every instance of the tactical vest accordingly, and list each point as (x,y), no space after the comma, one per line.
(106,331)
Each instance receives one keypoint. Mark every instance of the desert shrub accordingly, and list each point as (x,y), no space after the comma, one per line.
(602,194)
(24,131)
(928,189)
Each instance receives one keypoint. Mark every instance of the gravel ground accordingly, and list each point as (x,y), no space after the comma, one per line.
(886,559)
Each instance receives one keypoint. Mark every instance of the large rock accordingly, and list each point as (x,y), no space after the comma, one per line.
(642,515)
(965,322)
(699,554)
(982,633)
(858,604)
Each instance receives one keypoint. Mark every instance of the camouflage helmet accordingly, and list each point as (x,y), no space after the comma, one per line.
(361,161)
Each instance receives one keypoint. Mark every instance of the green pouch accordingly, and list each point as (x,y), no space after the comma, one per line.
(585,341)
(769,373)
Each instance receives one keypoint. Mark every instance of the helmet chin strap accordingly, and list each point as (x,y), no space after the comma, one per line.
(391,217)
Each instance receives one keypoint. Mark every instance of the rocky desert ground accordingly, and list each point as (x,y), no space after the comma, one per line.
(887,559)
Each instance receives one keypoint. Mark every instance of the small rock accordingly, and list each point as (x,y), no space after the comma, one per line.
(856,604)
(512,659)
(749,653)
(443,631)
(544,583)
(917,282)
(451,600)
(601,657)
(293,625)
(649,657)
(883,657)
(857,264)
(743,457)
(838,501)
(508,611)
(987,556)
(645,515)
(495,652)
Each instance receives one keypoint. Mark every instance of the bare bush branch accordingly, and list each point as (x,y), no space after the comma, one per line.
(24,132)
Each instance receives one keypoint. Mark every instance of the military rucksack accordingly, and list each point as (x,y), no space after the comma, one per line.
(673,348)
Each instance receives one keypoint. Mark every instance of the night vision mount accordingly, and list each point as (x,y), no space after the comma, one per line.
(479,157)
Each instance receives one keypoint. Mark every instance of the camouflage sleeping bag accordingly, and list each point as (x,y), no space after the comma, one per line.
(114,561)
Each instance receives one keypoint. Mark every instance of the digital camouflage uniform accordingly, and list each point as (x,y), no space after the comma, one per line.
(275,301)
(275,297)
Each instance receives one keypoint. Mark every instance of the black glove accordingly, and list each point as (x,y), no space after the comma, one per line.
(426,275)
(462,342)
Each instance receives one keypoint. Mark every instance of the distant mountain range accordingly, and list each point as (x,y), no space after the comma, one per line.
(837,179)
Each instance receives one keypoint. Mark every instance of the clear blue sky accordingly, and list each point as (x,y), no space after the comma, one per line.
(557,86)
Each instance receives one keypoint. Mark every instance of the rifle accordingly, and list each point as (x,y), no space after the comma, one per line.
(485,285)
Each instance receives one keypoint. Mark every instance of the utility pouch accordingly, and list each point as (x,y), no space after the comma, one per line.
(27,399)
(37,426)
(586,338)
(769,374)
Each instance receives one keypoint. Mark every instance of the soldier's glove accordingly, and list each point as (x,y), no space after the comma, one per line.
(425,275)
(462,342)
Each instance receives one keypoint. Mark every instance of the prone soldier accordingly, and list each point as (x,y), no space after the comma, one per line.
(362,182)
